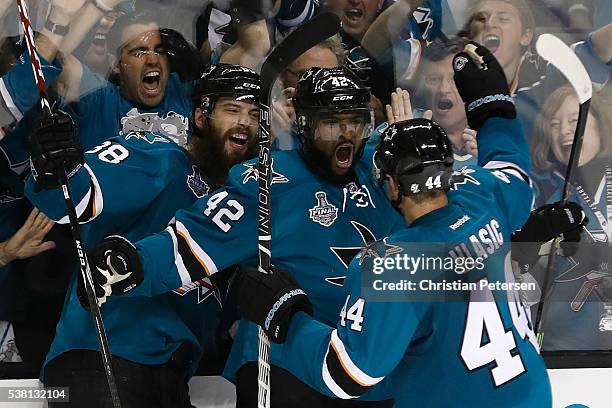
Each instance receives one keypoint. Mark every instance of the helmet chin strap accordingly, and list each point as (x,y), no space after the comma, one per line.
(397,201)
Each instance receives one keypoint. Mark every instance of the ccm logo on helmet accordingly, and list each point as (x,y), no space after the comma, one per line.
(249,85)
(343,98)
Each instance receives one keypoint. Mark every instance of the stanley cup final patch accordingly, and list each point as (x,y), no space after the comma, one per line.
(196,183)
(323,213)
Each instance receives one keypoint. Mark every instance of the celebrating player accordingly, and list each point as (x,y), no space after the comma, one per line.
(422,337)
(132,185)
(325,207)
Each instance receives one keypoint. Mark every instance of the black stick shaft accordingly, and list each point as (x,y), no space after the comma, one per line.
(72,215)
(308,35)
(573,161)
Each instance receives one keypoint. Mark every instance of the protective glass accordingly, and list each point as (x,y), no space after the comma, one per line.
(352,125)
(237,112)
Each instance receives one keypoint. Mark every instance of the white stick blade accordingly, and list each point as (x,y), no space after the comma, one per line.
(555,51)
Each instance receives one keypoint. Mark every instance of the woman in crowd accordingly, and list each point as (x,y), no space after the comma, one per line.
(576,318)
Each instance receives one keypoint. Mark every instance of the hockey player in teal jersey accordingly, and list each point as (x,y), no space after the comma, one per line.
(132,185)
(477,348)
(325,206)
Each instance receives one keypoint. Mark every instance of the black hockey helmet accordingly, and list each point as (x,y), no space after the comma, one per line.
(226,80)
(330,90)
(419,153)
(321,94)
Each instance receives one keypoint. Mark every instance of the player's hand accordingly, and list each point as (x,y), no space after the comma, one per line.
(482,84)
(270,300)
(283,112)
(544,224)
(28,240)
(400,108)
(54,148)
(469,141)
(115,269)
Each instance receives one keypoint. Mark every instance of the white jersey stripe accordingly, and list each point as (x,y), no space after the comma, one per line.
(202,256)
(97,204)
(351,368)
(178,260)
(329,381)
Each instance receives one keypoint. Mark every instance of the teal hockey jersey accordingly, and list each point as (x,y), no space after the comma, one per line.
(131,186)
(440,346)
(317,228)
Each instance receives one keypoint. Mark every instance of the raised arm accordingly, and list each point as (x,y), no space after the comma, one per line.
(502,148)
(80,18)
(388,26)
(602,43)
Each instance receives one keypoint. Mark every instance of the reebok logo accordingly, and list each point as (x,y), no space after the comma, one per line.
(459,222)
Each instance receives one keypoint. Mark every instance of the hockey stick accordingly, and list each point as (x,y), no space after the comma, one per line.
(557,53)
(305,37)
(72,215)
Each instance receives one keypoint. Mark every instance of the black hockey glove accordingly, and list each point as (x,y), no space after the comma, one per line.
(482,84)
(184,58)
(270,300)
(115,269)
(54,148)
(544,224)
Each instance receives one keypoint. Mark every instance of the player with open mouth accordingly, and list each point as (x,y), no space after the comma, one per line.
(333,125)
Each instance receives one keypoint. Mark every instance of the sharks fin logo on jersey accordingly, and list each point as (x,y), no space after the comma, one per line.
(174,125)
(252,173)
(196,183)
(148,137)
(346,254)
(324,213)
(205,290)
(463,176)
(378,249)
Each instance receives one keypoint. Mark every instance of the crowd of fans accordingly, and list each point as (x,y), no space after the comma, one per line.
(120,66)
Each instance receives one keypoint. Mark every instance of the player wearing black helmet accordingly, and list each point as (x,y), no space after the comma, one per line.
(226,113)
(334,121)
(132,185)
(325,206)
(427,295)
(422,163)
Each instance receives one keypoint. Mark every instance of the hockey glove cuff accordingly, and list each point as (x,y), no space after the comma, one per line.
(270,300)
